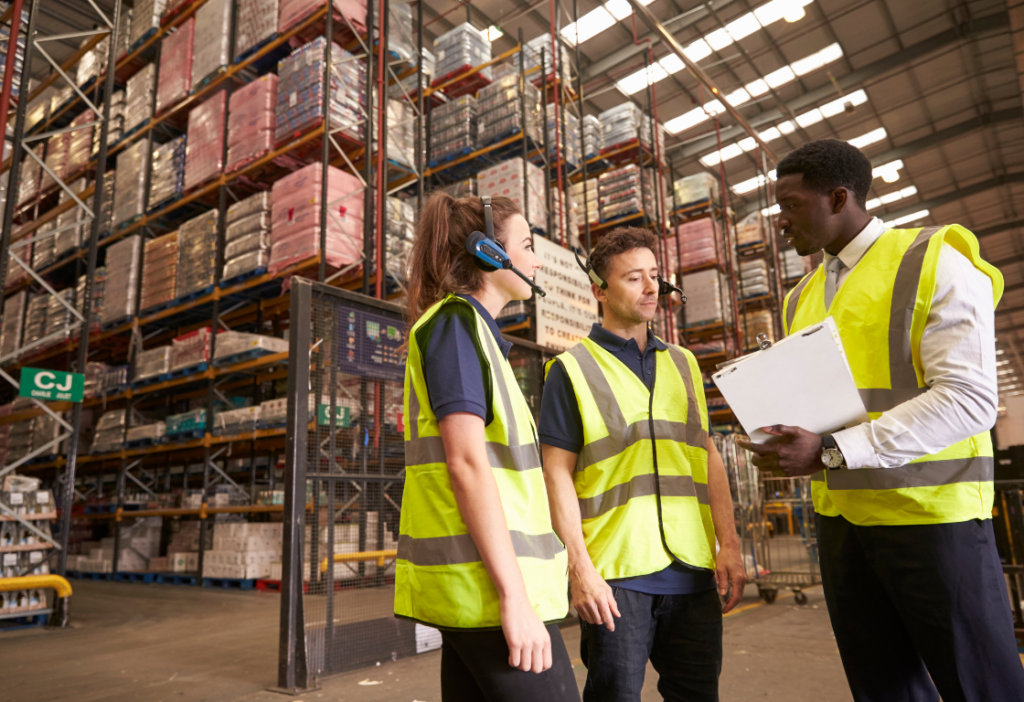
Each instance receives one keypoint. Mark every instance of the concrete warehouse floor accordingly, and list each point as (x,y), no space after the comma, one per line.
(160,643)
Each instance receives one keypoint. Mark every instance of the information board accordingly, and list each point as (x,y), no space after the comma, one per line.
(370,345)
(45,384)
(569,310)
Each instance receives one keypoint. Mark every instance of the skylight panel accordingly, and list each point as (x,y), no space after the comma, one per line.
(780,77)
(872,137)
(743,26)
(908,218)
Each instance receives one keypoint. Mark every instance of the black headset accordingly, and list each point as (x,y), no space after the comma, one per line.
(488,253)
(664,287)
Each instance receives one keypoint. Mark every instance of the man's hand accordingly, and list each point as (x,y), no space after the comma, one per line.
(592,596)
(797,453)
(729,570)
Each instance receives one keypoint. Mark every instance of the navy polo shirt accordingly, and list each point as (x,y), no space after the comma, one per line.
(562,426)
(451,366)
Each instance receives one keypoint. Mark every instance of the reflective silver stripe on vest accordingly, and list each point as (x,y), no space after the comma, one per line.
(621,435)
(818,477)
(884,399)
(430,449)
(695,434)
(914,475)
(642,486)
(460,549)
(901,314)
(794,298)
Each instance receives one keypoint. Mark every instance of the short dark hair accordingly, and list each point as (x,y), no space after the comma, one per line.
(828,164)
(620,240)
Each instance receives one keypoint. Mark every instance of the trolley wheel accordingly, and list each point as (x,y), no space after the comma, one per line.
(768,595)
(800,597)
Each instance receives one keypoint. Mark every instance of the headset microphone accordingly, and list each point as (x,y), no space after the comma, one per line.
(666,288)
(489,254)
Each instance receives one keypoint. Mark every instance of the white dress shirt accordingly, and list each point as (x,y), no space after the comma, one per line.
(959,358)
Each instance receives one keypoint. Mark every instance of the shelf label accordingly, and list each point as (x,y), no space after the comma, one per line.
(51,385)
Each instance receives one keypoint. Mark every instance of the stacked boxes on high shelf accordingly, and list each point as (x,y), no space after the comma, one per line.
(300,92)
(204,153)
(460,49)
(98,294)
(197,253)
(212,38)
(750,231)
(593,205)
(145,18)
(620,193)
(176,51)
(569,147)
(698,244)
(152,363)
(115,126)
(533,54)
(243,551)
(453,129)
(232,344)
(251,121)
(756,322)
(593,136)
(191,350)
(120,289)
(247,236)
(695,189)
(130,183)
(160,271)
(167,181)
(506,180)
(68,223)
(499,110)
(401,133)
(110,430)
(794,266)
(292,12)
(400,229)
(753,280)
(707,298)
(256,22)
(138,97)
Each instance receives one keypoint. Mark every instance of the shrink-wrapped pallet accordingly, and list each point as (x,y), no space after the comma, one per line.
(251,121)
(699,244)
(42,248)
(106,213)
(247,236)
(35,319)
(292,12)
(124,33)
(753,280)
(152,363)
(197,253)
(399,231)
(256,22)
(93,62)
(159,271)
(72,223)
(191,349)
(707,298)
(176,66)
(139,97)
(115,125)
(460,49)
(237,421)
(205,149)
(232,343)
(506,180)
(212,35)
(13,323)
(80,142)
(295,225)
(130,187)
(28,184)
(696,188)
(167,181)
(59,316)
(110,431)
(750,230)
(593,136)
(145,19)
(300,92)
(99,283)
(122,277)
(453,128)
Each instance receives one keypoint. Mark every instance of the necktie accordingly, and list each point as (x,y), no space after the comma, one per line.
(835,265)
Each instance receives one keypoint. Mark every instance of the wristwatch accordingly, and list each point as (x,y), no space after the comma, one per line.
(831,456)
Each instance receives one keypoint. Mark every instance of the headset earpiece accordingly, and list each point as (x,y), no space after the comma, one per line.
(667,288)
(589,270)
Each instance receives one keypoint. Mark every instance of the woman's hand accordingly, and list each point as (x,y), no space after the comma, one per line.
(529,644)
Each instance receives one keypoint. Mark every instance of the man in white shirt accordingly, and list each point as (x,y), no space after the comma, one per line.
(903,502)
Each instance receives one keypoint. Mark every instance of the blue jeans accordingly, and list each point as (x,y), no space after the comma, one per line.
(680,634)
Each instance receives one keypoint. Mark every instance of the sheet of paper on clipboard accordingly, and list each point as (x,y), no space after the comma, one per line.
(803,380)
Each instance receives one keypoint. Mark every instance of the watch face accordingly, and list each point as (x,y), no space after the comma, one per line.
(832,458)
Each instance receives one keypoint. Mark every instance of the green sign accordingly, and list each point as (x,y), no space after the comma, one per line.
(342,416)
(52,385)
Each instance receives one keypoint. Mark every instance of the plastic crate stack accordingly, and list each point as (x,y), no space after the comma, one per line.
(256,22)
(401,230)
(98,286)
(620,192)
(506,180)
(750,230)
(212,35)
(138,98)
(115,125)
(159,271)
(13,323)
(698,244)
(295,223)
(754,323)
(459,50)
(197,253)
(705,301)
(130,183)
(453,129)
(753,279)
(300,92)
(192,349)
(499,109)
(176,65)
(145,19)
(122,277)
(69,224)
(593,213)
(695,189)
(167,181)
(205,149)
(251,121)
(593,136)
(247,236)
(292,12)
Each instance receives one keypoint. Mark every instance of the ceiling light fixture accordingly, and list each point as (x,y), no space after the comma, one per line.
(921,214)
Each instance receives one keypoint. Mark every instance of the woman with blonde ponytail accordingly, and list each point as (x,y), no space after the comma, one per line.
(477,555)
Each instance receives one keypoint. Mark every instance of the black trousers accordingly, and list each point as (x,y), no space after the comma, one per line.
(474,668)
(680,634)
(920,611)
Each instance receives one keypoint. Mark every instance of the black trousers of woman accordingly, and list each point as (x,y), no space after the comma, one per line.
(474,668)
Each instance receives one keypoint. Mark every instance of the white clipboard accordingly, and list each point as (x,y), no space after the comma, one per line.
(803,380)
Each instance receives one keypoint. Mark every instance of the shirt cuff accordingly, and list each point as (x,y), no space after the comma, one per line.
(857,448)
(558,443)
(460,406)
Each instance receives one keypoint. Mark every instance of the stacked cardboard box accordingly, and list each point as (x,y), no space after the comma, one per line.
(794,266)
(42,250)
(115,126)
(205,150)
(138,97)
(247,236)
(110,430)
(56,160)
(592,203)
(754,323)
(167,181)
(292,12)
(59,316)
(197,253)
(28,185)
(98,286)
(251,121)
(237,421)
(80,142)
(35,318)
(620,192)
(160,271)
(153,363)
(707,298)
(499,109)
(506,180)
(69,237)
(191,349)
(698,243)
(750,231)
(400,228)
(122,274)
(300,92)
(460,49)
(13,323)
(130,187)
(256,22)
(232,343)
(696,188)
(295,223)
(593,136)
(212,37)
(176,65)
(243,550)
(453,128)
(145,17)
(753,280)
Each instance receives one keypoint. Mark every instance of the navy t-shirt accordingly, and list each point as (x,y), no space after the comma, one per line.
(562,426)
(451,366)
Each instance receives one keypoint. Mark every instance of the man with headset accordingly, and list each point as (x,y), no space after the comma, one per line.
(638,491)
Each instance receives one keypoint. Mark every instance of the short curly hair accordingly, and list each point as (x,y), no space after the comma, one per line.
(620,240)
(828,164)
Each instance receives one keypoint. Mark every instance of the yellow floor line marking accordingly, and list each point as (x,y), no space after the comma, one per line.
(762,603)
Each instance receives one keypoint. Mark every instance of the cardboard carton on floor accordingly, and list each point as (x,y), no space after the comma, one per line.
(179,562)
(191,562)
(159,564)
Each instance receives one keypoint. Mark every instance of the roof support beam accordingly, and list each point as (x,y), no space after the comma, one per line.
(1014,114)
(997,228)
(855,79)
(955,195)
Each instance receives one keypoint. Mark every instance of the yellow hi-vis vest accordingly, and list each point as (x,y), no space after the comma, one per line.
(440,578)
(621,473)
(880,311)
